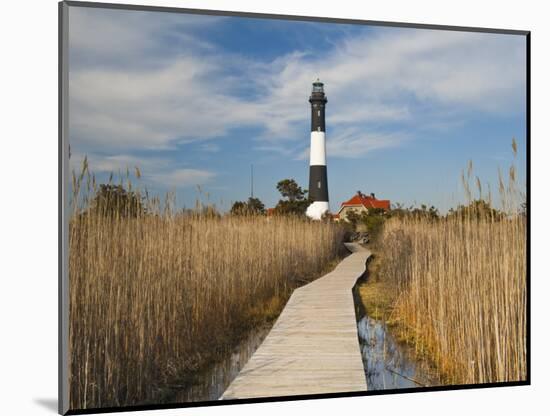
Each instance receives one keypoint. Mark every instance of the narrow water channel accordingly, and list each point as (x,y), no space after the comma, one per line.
(388,363)
(211,383)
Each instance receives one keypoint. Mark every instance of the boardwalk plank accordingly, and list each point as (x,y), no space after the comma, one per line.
(313,347)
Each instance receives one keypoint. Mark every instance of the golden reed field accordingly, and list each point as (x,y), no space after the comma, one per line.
(460,294)
(154,297)
(459,283)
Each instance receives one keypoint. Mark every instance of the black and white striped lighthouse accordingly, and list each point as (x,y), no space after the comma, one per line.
(318,187)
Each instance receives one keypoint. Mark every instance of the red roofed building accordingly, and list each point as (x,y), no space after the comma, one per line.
(362,203)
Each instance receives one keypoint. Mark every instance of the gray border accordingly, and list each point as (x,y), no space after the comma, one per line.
(63,211)
(136,7)
(63,206)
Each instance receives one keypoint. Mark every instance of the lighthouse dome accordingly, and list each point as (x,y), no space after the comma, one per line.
(318,86)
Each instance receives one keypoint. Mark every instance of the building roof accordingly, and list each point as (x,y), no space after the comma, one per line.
(367,201)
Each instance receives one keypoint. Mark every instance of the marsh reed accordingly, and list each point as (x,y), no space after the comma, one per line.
(155,297)
(461,299)
(460,284)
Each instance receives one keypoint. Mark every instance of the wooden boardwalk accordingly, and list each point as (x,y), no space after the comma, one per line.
(313,347)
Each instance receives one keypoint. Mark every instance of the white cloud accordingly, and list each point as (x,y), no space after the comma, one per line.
(117,163)
(181,178)
(399,77)
(354,143)
(122,37)
(149,108)
(156,171)
(210,147)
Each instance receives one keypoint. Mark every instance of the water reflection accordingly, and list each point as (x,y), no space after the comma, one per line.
(388,363)
(211,384)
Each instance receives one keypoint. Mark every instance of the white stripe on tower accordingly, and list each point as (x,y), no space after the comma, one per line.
(317,153)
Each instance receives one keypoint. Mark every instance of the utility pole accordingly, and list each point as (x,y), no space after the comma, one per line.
(251,181)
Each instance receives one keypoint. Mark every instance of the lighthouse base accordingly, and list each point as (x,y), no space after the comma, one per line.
(316,210)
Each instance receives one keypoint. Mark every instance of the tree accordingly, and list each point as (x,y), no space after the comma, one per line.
(292,207)
(431,213)
(209,211)
(253,207)
(239,208)
(477,209)
(377,211)
(400,211)
(372,221)
(290,189)
(114,200)
(353,217)
(295,200)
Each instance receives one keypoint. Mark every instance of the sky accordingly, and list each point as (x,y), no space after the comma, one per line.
(194,101)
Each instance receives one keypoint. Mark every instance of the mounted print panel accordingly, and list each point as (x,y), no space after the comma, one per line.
(262,208)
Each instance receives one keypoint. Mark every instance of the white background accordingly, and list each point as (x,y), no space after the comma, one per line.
(28,205)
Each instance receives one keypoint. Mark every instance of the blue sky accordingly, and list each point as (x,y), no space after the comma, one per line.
(195,100)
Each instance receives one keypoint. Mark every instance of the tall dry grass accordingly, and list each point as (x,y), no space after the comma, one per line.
(156,297)
(461,294)
(460,284)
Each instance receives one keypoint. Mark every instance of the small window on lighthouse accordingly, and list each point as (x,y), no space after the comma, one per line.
(318,128)
(319,113)
(319,184)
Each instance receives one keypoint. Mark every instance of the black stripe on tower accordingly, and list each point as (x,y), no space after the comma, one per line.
(318,101)
(318,187)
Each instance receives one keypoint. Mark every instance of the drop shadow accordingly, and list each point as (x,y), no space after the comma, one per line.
(48,404)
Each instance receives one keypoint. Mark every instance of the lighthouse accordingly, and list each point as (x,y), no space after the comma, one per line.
(318,187)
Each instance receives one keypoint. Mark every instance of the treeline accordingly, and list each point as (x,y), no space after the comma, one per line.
(118,200)
(477,210)
(294,201)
